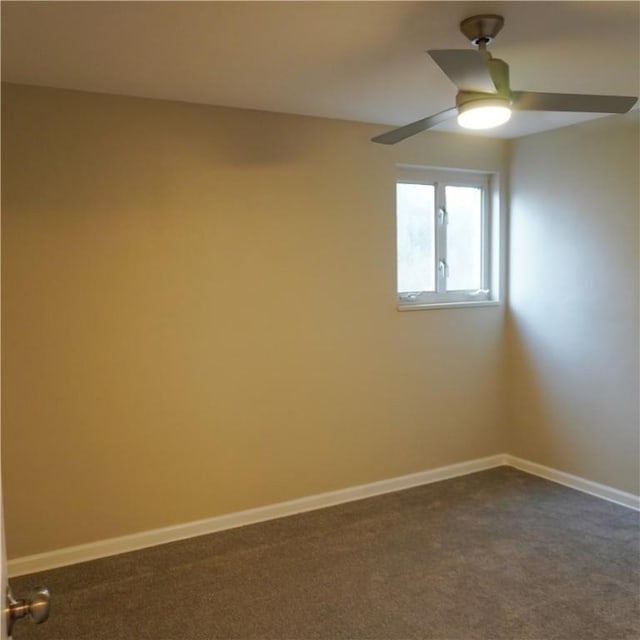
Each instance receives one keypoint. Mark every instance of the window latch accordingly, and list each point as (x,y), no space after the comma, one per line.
(443,216)
(444,268)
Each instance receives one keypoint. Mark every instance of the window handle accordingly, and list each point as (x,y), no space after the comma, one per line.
(444,268)
(443,215)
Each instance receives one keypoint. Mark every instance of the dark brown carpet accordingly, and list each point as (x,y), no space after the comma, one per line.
(493,555)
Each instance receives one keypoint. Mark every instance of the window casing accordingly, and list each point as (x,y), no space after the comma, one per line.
(444,238)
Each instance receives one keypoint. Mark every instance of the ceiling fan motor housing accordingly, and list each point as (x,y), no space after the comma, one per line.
(499,71)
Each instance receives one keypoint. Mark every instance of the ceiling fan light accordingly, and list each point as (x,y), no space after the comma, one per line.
(484,114)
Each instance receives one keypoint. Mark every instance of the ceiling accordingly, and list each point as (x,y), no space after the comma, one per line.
(360,61)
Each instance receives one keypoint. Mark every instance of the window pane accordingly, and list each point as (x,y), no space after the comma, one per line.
(415,237)
(464,238)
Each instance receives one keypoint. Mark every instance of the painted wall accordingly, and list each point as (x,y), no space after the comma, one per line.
(573,330)
(199,316)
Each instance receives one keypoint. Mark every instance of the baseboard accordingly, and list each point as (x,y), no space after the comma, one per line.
(144,539)
(623,498)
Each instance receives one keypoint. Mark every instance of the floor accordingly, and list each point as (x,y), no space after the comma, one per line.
(495,555)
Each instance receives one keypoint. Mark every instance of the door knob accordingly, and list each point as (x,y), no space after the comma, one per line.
(37,605)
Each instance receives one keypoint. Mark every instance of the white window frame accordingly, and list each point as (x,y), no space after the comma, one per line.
(441,297)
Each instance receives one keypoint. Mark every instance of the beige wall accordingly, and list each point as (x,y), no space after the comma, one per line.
(574,301)
(198,316)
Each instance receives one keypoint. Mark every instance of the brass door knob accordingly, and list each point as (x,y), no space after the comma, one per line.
(37,605)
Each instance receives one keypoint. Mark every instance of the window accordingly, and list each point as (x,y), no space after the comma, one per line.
(443,238)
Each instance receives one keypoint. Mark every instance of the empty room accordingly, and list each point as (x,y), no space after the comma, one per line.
(320,320)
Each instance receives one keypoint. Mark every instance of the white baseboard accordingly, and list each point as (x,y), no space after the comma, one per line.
(623,498)
(113,546)
(144,539)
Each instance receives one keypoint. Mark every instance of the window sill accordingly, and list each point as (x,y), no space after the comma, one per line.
(447,305)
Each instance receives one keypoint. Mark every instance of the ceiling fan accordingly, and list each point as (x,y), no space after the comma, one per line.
(485,99)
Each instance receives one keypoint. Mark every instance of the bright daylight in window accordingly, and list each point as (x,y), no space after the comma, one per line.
(443,238)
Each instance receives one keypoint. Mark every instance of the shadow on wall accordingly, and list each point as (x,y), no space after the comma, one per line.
(529,402)
(261,139)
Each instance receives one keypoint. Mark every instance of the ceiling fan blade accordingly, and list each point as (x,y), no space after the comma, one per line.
(396,135)
(466,68)
(534,101)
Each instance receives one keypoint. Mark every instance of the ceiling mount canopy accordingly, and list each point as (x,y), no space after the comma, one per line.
(481,30)
(485,99)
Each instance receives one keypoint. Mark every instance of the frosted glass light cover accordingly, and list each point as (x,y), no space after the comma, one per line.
(484,117)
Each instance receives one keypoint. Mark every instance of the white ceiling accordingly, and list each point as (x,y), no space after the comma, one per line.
(360,61)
